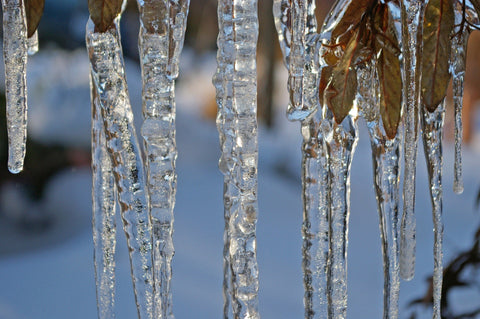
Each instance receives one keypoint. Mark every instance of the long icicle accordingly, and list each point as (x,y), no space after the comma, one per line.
(108,72)
(341,140)
(386,168)
(236,57)
(15,58)
(412,21)
(162,31)
(223,81)
(103,207)
(432,125)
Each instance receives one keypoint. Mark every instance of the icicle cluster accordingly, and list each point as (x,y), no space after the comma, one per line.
(144,190)
(235,82)
(329,145)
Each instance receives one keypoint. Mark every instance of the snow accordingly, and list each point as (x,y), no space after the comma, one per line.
(57,279)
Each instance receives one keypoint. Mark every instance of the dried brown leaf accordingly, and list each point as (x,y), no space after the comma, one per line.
(476,5)
(388,69)
(340,91)
(437,27)
(153,16)
(104,12)
(34,12)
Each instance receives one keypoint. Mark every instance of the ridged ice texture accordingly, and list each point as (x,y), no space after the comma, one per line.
(457,68)
(15,58)
(103,207)
(32,44)
(341,140)
(235,81)
(315,227)
(432,126)
(412,21)
(108,73)
(385,157)
(159,55)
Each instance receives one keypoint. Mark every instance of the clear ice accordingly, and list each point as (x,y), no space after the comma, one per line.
(412,21)
(32,44)
(15,58)
(432,126)
(103,220)
(162,31)
(386,170)
(108,73)
(235,81)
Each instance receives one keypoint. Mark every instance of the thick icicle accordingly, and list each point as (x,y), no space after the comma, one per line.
(315,228)
(235,81)
(457,68)
(15,58)
(161,37)
(340,140)
(385,157)
(103,206)
(108,72)
(432,125)
(412,21)
(32,44)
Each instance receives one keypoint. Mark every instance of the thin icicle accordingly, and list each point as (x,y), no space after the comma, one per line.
(32,44)
(341,140)
(235,81)
(412,21)
(108,73)
(385,158)
(457,68)
(432,125)
(161,37)
(315,228)
(15,58)
(103,206)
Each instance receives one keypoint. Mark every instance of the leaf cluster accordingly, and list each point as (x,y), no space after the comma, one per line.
(365,31)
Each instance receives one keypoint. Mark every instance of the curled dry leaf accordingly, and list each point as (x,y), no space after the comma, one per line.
(155,16)
(388,69)
(34,12)
(104,12)
(437,28)
(476,5)
(351,19)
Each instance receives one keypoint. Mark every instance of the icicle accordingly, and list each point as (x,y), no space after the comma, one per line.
(282,15)
(341,140)
(235,81)
(15,58)
(107,68)
(385,158)
(161,37)
(315,229)
(412,21)
(432,125)
(457,68)
(32,44)
(103,206)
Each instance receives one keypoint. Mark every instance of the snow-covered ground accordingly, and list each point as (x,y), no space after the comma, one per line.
(56,280)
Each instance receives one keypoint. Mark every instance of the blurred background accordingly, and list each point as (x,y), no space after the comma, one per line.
(46,263)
